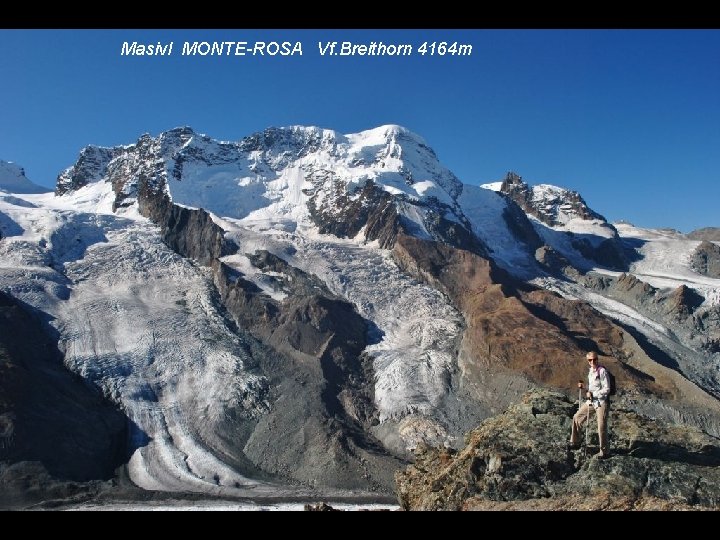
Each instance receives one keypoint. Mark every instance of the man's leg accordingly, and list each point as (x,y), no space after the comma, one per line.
(602,416)
(578,421)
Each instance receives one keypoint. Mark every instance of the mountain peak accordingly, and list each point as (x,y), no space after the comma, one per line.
(198,171)
(13,179)
(392,132)
(550,204)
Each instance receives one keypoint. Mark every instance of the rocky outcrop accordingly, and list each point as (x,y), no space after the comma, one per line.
(296,141)
(91,166)
(547,208)
(705,259)
(50,420)
(521,460)
(554,262)
(554,207)
(188,231)
(518,222)
(344,214)
(682,302)
(634,289)
(609,252)
(683,309)
(375,212)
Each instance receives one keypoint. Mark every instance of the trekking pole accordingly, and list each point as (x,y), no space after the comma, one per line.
(587,426)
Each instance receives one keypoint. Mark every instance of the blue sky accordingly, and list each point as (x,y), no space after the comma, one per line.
(629,118)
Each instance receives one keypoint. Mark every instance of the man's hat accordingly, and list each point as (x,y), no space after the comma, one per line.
(591,355)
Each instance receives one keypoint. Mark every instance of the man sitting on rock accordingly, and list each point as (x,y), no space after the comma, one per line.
(597,397)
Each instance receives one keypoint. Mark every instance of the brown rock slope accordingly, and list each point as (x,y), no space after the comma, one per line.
(517,331)
(521,460)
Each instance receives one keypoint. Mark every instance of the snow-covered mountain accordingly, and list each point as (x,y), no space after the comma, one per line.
(553,205)
(13,180)
(307,306)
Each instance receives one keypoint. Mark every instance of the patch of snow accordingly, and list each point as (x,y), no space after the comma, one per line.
(226,190)
(595,230)
(492,186)
(484,209)
(665,261)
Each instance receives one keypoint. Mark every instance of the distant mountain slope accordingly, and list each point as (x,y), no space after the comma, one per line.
(711,234)
(13,180)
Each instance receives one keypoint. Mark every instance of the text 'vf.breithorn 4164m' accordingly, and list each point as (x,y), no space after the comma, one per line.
(214,48)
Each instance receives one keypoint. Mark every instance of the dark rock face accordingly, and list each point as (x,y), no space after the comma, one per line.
(344,216)
(523,455)
(633,287)
(189,232)
(609,253)
(453,233)
(89,167)
(683,301)
(520,225)
(48,415)
(705,259)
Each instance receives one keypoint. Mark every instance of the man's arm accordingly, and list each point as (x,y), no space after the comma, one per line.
(604,385)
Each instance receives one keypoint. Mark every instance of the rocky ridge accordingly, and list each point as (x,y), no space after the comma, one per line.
(711,234)
(683,309)
(706,259)
(556,207)
(520,459)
